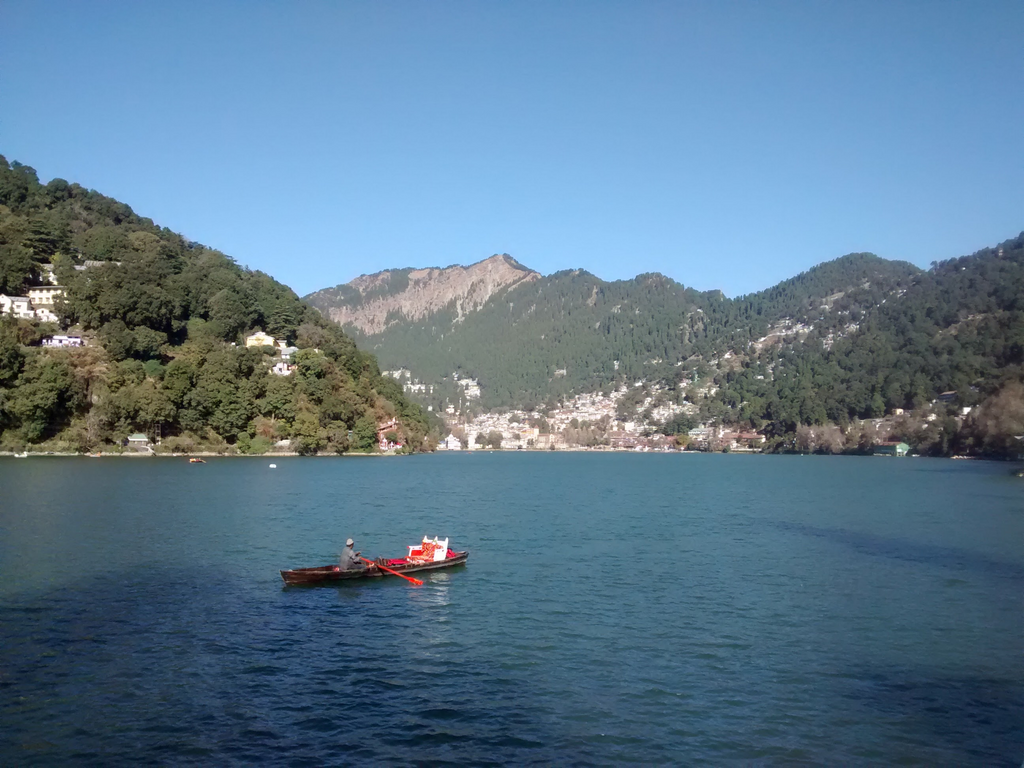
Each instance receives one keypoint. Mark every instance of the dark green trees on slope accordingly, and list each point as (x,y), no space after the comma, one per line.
(169,316)
(572,332)
(852,338)
(549,338)
(957,328)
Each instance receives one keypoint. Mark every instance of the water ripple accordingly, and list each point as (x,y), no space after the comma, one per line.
(616,609)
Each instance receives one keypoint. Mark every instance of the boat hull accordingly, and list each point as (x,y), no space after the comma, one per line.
(327,574)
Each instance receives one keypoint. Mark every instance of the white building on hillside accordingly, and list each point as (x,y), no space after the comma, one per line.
(471,388)
(38,305)
(452,443)
(19,306)
(63,341)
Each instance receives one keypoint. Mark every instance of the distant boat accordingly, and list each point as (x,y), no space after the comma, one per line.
(22,455)
(196,461)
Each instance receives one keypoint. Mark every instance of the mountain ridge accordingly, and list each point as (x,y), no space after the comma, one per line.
(555,335)
(369,302)
(365,301)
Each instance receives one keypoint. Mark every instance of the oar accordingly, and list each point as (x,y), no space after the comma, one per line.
(417,582)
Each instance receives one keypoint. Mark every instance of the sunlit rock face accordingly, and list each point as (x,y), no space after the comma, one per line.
(372,302)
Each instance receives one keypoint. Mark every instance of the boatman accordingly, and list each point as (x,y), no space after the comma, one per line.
(350,559)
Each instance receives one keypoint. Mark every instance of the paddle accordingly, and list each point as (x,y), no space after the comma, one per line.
(417,582)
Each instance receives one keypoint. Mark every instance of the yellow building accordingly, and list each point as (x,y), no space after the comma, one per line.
(260,339)
(45,295)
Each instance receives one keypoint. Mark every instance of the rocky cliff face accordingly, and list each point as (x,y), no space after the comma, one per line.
(373,302)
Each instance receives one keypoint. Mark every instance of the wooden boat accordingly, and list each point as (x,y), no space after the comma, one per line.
(194,460)
(327,574)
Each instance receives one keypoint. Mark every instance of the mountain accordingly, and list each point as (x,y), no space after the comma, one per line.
(372,303)
(850,339)
(957,328)
(543,338)
(166,322)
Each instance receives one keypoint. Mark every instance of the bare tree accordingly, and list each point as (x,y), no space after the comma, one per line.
(822,439)
(866,435)
(993,428)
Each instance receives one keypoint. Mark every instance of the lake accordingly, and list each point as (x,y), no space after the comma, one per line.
(616,608)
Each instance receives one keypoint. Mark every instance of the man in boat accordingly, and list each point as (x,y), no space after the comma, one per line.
(350,559)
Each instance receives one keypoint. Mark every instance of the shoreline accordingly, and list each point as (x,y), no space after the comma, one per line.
(291,454)
(195,454)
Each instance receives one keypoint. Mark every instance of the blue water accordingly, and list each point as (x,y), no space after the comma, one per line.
(615,609)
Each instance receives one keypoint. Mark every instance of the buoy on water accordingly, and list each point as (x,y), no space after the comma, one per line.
(273,466)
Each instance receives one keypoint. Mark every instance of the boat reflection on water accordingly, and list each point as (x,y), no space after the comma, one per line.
(437,595)
(432,628)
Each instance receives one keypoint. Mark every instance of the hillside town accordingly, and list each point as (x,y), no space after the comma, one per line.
(591,421)
(631,418)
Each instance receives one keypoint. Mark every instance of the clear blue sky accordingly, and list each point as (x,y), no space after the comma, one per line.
(726,144)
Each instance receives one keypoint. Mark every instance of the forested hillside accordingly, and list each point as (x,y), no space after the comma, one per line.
(851,339)
(572,332)
(958,327)
(549,338)
(166,319)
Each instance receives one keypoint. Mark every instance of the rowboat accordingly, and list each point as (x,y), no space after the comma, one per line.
(327,574)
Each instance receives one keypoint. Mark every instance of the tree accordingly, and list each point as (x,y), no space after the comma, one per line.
(46,237)
(17,267)
(877,408)
(306,433)
(117,339)
(284,319)
(146,342)
(995,426)
(364,434)
(17,182)
(44,398)
(224,393)
(679,424)
(178,380)
(11,357)
(230,314)
(154,408)
(279,399)
(337,437)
